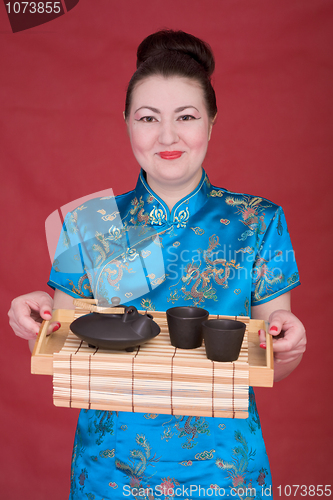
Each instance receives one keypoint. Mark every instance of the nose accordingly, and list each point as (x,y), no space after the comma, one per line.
(168,133)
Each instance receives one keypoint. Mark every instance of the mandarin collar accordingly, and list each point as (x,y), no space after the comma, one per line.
(157,210)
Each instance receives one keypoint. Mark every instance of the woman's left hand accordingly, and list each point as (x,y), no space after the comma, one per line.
(289,341)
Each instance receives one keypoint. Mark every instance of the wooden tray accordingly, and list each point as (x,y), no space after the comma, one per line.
(261,362)
(156,377)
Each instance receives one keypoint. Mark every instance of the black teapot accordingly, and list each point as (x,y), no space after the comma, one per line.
(116,331)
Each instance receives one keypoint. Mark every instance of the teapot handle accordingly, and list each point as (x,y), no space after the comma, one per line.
(129,313)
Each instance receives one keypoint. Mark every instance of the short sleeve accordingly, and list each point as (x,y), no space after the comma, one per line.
(69,269)
(275,270)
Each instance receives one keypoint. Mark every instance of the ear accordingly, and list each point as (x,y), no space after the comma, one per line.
(211,126)
(126,123)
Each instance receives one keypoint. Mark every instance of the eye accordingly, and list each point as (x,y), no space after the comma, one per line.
(147,119)
(186,118)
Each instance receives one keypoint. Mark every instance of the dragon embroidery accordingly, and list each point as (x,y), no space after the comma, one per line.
(264,278)
(216,270)
(250,210)
(101,425)
(79,290)
(115,275)
(188,427)
(192,427)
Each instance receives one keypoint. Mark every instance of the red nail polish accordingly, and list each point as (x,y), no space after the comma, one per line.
(56,327)
(258,332)
(262,345)
(274,328)
(48,312)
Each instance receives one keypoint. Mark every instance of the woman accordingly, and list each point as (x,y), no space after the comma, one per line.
(227,252)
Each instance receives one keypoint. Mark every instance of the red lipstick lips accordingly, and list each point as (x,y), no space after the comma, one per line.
(170,155)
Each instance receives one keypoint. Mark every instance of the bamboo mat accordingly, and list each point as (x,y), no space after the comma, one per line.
(155,378)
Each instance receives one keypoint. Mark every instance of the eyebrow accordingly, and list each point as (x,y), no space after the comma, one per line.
(177,110)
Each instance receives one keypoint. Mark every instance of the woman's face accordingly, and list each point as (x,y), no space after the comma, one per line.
(169,129)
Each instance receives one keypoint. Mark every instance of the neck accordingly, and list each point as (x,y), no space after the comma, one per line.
(171,193)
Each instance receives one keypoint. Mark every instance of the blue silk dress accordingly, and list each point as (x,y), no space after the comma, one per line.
(217,249)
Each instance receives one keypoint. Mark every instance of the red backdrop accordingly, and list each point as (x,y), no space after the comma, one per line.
(62,136)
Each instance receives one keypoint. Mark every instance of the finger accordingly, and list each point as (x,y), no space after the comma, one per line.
(21,317)
(283,345)
(280,321)
(288,346)
(53,327)
(27,312)
(262,338)
(43,306)
(274,330)
(294,337)
(275,327)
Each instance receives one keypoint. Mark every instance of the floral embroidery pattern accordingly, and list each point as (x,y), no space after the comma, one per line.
(237,469)
(182,218)
(157,216)
(147,305)
(262,475)
(166,488)
(82,477)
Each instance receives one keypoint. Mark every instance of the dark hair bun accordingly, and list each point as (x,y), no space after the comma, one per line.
(177,41)
(170,54)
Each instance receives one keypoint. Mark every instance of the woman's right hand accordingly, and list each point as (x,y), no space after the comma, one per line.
(27,313)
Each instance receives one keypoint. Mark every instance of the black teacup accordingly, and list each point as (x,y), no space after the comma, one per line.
(185,326)
(223,339)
